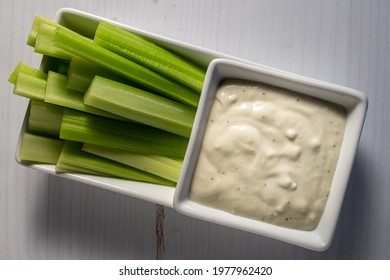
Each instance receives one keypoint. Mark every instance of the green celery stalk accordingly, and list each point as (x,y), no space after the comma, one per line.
(83,47)
(57,93)
(81,73)
(134,137)
(144,52)
(30,86)
(39,149)
(44,118)
(72,155)
(23,67)
(141,106)
(63,167)
(165,167)
(44,45)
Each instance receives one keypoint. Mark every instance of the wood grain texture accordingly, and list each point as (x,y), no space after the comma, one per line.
(341,41)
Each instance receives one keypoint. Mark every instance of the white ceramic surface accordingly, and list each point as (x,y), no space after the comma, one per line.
(356,105)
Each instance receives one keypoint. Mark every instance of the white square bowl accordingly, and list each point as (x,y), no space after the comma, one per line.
(355,103)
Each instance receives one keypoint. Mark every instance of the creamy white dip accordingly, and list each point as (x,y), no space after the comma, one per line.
(269,154)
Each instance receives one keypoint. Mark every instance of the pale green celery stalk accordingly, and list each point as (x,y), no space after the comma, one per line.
(144,52)
(44,43)
(83,47)
(72,155)
(57,93)
(64,167)
(38,19)
(44,118)
(39,149)
(23,67)
(140,106)
(30,86)
(165,167)
(81,72)
(134,137)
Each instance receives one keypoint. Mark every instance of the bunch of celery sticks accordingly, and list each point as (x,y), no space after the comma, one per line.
(115,105)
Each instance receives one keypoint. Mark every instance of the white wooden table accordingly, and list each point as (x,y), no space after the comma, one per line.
(345,42)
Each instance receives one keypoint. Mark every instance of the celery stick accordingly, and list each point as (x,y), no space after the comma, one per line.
(38,19)
(72,155)
(140,106)
(84,48)
(88,128)
(44,45)
(81,72)
(30,86)
(150,55)
(64,167)
(44,118)
(57,93)
(164,167)
(39,149)
(23,67)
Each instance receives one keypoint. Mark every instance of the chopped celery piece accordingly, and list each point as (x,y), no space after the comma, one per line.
(83,47)
(88,128)
(44,45)
(57,93)
(140,106)
(38,19)
(150,55)
(39,149)
(64,167)
(68,168)
(30,86)
(165,167)
(44,118)
(72,155)
(23,67)
(81,72)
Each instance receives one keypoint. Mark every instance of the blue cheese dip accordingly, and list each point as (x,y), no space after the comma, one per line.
(269,154)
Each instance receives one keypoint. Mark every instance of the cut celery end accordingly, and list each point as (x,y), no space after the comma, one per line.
(83,47)
(165,167)
(150,55)
(134,137)
(30,86)
(39,149)
(141,106)
(23,67)
(72,155)
(44,118)
(44,45)
(38,19)
(57,93)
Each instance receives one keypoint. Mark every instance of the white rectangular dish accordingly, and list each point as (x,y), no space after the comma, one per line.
(221,66)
